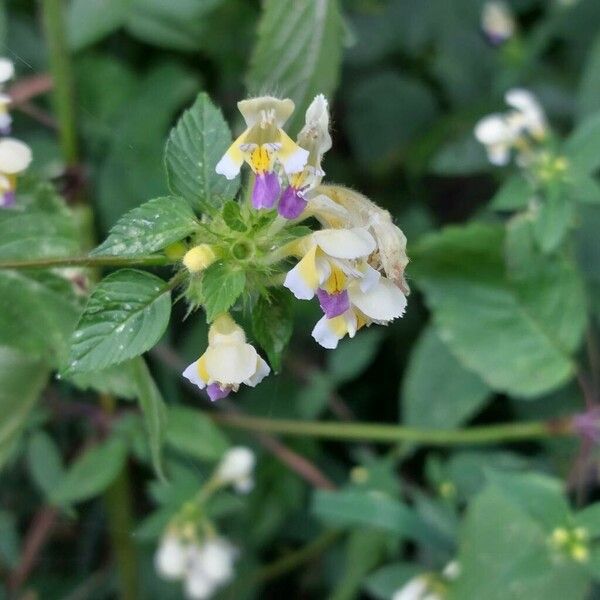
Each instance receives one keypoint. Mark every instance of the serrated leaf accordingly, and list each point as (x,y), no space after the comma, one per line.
(221,287)
(432,368)
(297,66)
(149,228)
(91,473)
(153,410)
(518,335)
(22,379)
(272,325)
(195,146)
(44,462)
(193,433)
(232,215)
(125,316)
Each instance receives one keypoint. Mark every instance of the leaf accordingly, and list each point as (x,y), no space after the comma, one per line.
(91,473)
(149,228)
(22,379)
(88,21)
(10,550)
(387,580)
(348,361)
(553,219)
(125,316)
(589,88)
(589,518)
(462,156)
(38,313)
(193,433)
(232,215)
(505,555)
(517,335)
(272,325)
(117,380)
(221,287)
(298,52)
(515,194)
(153,410)
(437,391)
(44,462)
(582,148)
(195,146)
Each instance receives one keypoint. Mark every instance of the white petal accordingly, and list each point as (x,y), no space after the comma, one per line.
(303,282)
(15,156)
(262,370)
(244,486)
(224,330)
(237,463)
(324,334)
(170,558)
(413,590)
(231,364)
(228,167)
(328,212)
(216,560)
(382,303)
(499,154)
(7,70)
(494,129)
(370,278)
(198,586)
(345,243)
(253,109)
(191,373)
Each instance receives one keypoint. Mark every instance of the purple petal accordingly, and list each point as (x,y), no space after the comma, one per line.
(333,305)
(291,204)
(266,190)
(215,392)
(7,199)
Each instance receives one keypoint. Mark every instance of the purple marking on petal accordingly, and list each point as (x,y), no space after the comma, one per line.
(215,392)
(7,199)
(333,305)
(587,425)
(495,39)
(266,190)
(292,203)
(5,130)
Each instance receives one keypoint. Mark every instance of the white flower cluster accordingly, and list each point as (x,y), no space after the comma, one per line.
(203,567)
(15,156)
(428,586)
(237,469)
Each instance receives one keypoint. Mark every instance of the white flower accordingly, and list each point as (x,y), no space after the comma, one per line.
(528,112)
(7,70)
(15,156)
(209,567)
(497,22)
(417,588)
(237,467)
(228,361)
(171,557)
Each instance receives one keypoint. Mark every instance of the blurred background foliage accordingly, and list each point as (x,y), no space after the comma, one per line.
(407,81)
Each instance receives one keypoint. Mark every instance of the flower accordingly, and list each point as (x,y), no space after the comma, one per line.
(171,557)
(15,157)
(236,467)
(210,566)
(7,70)
(497,22)
(262,144)
(501,133)
(417,588)
(315,138)
(228,361)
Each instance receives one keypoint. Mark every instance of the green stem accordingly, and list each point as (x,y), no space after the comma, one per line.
(88,261)
(62,76)
(373,432)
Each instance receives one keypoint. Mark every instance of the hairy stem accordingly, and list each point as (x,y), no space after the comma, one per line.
(489,434)
(88,261)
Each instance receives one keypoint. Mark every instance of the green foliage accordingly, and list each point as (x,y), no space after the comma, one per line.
(194,147)
(44,462)
(126,315)
(221,287)
(297,66)
(149,228)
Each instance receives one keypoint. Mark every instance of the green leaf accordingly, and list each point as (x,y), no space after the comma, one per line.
(91,473)
(348,361)
(505,555)
(553,218)
(221,287)
(153,410)
(515,194)
(88,21)
(297,65)
(517,335)
(38,312)
(437,391)
(589,518)
(125,316)
(22,379)
(117,380)
(463,156)
(588,97)
(388,579)
(193,433)
(195,146)
(9,540)
(583,146)
(373,509)
(149,228)
(232,215)
(44,462)
(272,325)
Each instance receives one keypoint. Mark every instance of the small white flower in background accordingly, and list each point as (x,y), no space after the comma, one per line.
(417,588)
(209,567)
(452,570)
(497,22)
(171,557)
(7,72)
(237,468)
(15,157)
(515,130)
(228,361)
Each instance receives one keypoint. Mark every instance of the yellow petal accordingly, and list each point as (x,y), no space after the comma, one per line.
(292,157)
(231,162)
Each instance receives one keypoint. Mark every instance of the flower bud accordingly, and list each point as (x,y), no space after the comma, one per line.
(171,557)
(236,467)
(199,258)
